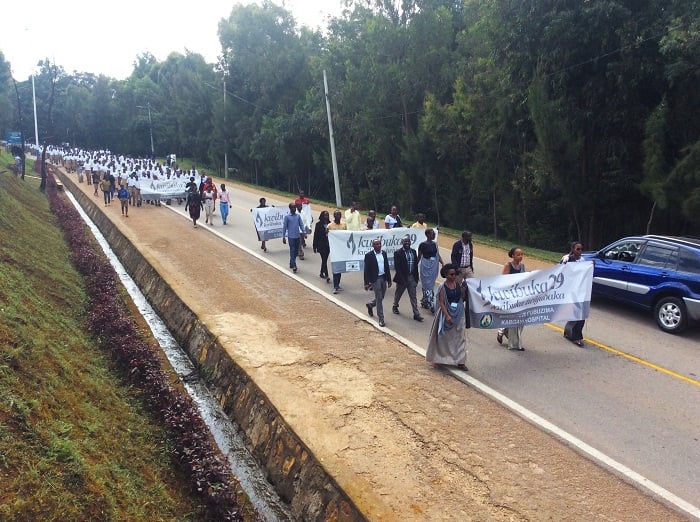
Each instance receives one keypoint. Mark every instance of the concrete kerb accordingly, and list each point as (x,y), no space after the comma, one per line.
(298,477)
(581,447)
(578,445)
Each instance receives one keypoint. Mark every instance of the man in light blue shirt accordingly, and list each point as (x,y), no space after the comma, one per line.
(294,230)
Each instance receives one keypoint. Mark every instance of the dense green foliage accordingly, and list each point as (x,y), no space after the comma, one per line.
(533,120)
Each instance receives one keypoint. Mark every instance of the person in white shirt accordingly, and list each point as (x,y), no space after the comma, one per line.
(392,219)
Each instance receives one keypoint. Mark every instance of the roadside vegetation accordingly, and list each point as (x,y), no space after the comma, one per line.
(81,438)
(536,122)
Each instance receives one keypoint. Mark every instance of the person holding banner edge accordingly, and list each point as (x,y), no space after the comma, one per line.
(513,334)
(336,224)
(573,330)
(320,243)
(263,204)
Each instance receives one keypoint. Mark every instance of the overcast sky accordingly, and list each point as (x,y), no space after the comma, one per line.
(103,37)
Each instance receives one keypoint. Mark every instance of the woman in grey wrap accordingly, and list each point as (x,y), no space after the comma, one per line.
(447,342)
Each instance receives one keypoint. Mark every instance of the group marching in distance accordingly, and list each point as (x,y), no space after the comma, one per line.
(123,176)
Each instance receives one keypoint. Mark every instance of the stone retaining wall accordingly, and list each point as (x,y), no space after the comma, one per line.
(297,476)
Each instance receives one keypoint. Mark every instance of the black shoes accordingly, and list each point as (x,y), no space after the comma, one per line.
(418,318)
(577,342)
(381,322)
(369,310)
(395,309)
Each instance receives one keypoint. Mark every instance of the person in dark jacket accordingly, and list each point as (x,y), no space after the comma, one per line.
(406,276)
(377,278)
(320,244)
(463,256)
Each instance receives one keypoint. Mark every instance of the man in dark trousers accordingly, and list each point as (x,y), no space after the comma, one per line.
(463,256)
(406,276)
(377,278)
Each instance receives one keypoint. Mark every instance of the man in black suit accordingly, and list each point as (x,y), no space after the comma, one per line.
(377,278)
(406,276)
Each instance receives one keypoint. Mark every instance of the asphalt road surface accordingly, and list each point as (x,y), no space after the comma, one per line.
(632,393)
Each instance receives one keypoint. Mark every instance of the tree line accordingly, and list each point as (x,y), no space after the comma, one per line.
(536,121)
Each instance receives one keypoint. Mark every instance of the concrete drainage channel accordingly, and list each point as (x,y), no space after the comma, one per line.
(242,420)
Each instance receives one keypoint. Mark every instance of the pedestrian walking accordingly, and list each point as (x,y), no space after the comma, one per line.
(293,231)
(377,278)
(194,206)
(447,341)
(406,276)
(224,203)
(514,333)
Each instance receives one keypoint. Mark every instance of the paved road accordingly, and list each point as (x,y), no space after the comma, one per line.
(632,393)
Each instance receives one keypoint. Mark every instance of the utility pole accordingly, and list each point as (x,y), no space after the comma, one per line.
(225,131)
(338,200)
(150,127)
(36,125)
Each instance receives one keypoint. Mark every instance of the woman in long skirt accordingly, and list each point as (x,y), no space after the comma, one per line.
(429,262)
(194,206)
(447,342)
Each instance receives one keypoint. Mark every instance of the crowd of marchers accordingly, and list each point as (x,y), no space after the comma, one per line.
(120,177)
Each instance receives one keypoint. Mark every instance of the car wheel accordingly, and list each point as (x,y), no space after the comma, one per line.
(670,315)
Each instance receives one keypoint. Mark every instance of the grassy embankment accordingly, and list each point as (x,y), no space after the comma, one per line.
(76,443)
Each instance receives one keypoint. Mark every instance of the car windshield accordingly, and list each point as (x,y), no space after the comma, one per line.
(623,251)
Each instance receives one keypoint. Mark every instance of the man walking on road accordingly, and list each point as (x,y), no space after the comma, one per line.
(293,229)
(463,256)
(406,276)
(377,278)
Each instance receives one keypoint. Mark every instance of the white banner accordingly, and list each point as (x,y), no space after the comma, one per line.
(268,221)
(557,294)
(163,188)
(348,247)
(306,217)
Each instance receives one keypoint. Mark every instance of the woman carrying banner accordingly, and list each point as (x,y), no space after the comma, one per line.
(447,342)
(514,334)
(320,243)
(429,262)
(263,204)
(573,331)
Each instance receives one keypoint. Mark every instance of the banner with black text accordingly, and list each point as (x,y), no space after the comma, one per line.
(268,221)
(557,294)
(348,247)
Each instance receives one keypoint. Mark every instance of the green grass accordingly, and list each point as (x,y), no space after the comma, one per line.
(75,443)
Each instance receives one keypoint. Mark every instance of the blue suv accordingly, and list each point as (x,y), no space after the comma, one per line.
(657,273)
